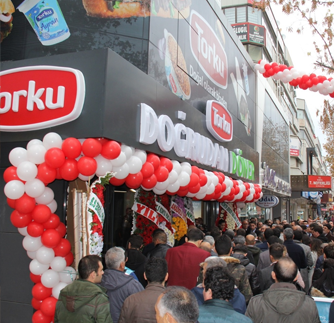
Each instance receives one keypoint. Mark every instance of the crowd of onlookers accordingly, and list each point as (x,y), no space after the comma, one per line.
(260,272)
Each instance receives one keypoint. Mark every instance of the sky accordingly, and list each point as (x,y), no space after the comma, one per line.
(299,45)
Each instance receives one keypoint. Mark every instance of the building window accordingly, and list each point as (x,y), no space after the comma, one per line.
(230,15)
(241,14)
(254,15)
(255,52)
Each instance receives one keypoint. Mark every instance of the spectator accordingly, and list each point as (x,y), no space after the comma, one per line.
(183,261)
(318,233)
(316,251)
(134,310)
(176,305)
(296,252)
(230,233)
(282,302)
(218,291)
(267,234)
(240,232)
(241,240)
(250,243)
(244,225)
(264,259)
(119,285)
(211,241)
(252,228)
(327,232)
(159,239)
(222,225)
(148,248)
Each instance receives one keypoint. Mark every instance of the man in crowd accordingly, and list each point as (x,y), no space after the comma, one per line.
(327,232)
(267,234)
(244,224)
(84,300)
(183,261)
(282,302)
(159,239)
(252,228)
(264,259)
(318,233)
(211,241)
(119,285)
(139,307)
(295,252)
(176,305)
(250,244)
(218,291)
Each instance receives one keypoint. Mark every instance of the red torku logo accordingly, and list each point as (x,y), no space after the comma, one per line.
(219,121)
(37,97)
(172,83)
(208,50)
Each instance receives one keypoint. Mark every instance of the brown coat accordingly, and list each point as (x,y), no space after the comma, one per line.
(139,307)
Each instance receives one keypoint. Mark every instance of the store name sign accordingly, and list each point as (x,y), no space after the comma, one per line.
(189,144)
(270,180)
(38,97)
(320,181)
(267,201)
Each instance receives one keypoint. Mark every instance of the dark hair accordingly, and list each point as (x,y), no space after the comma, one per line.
(306,239)
(272,240)
(87,265)
(303,226)
(240,248)
(287,226)
(318,229)
(285,270)
(239,240)
(328,226)
(230,233)
(316,246)
(160,236)
(298,234)
(312,225)
(223,245)
(268,233)
(276,232)
(180,302)
(195,235)
(215,232)
(221,221)
(241,232)
(136,241)
(276,250)
(156,270)
(329,251)
(252,221)
(221,283)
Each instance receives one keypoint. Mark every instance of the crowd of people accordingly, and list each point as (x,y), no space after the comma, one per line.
(261,272)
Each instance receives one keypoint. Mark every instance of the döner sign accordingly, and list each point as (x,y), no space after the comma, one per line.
(38,97)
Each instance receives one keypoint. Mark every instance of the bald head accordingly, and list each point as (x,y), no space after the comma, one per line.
(205,246)
(250,240)
(285,270)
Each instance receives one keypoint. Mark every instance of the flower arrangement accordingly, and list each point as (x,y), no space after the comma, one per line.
(188,205)
(180,228)
(165,218)
(179,218)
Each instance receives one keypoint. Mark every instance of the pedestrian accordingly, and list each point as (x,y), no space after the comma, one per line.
(159,239)
(250,244)
(295,252)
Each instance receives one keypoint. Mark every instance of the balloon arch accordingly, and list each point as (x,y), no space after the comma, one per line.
(34,206)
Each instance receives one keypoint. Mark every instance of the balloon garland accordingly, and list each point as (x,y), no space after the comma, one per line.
(295,78)
(41,162)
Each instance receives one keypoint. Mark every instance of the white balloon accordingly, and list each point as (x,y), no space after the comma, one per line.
(262,70)
(121,171)
(173,188)
(184,178)
(23,231)
(17,156)
(58,264)
(226,192)
(31,254)
(214,179)
(56,290)
(52,206)
(30,243)
(135,164)
(103,165)
(45,255)
(141,154)
(186,167)
(242,188)
(191,194)
(127,150)
(228,182)
(34,187)
(52,140)
(158,192)
(46,197)
(209,180)
(203,189)
(200,196)
(26,171)
(14,189)
(211,189)
(84,178)
(249,197)
(50,278)
(120,160)
(36,154)
(37,268)
(160,186)
(173,176)
(34,142)
(68,275)
(176,166)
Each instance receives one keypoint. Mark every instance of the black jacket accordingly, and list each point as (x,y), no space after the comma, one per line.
(296,253)
(159,251)
(136,262)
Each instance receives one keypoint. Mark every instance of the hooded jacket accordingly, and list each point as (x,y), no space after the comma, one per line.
(83,301)
(256,253)
(324,286)
(119,286)
(283,303)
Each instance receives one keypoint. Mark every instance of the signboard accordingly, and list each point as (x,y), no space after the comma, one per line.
(250,33)
(267,201)
(295,146)
(323,306)
(324,182)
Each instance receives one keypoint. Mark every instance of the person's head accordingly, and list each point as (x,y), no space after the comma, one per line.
(176,305)
(135,242)
(329,251)
(218,284)
(156,270)
(195,236)
(244,224)
(215,232)
(277,232)
(250,240)
(212,262)
(288,234)
(239,240)
(316,246)
(306,239)
(327,228)
(298,235)
(210,240)
(268,233)
(240,232)
(252,225)
(205,246)
(222,224)
(276,251)
(259,225)
(284,271)
(159,237)
(317,231)
(115,258)
(312,226)
(240,249)
(224,245)
(273,239)
(90,268)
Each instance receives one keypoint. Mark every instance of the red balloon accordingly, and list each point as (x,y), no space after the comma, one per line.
(48,306)
(154,160)
(236,189)
(194,180)
(69,259)
(194,189)
(195,170)
(40,292)
(182,192)
(20,220)
(161,173)
(40,317)
(232,191)
(25,204)
(247,185)
(69,171)
(35,278)
(91,147)
(149,182)
(41,213)
(166,163)
(36,303)
(223,187)
(63,248)
(61,229)
(58,175)
(52,222)
(134,180)
(218,188)
(35,229)
(51,238)
(11,203)
(54,157)
(71,147)
(46,173)
(116,182)
(111,150)
(10,174)
(147,170)
(87,166)
(102,140)
(203,179)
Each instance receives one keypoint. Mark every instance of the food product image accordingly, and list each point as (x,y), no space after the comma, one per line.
(6,18)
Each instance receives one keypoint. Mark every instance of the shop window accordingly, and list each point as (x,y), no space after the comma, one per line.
(230,15)
(241,14)
(254,15)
